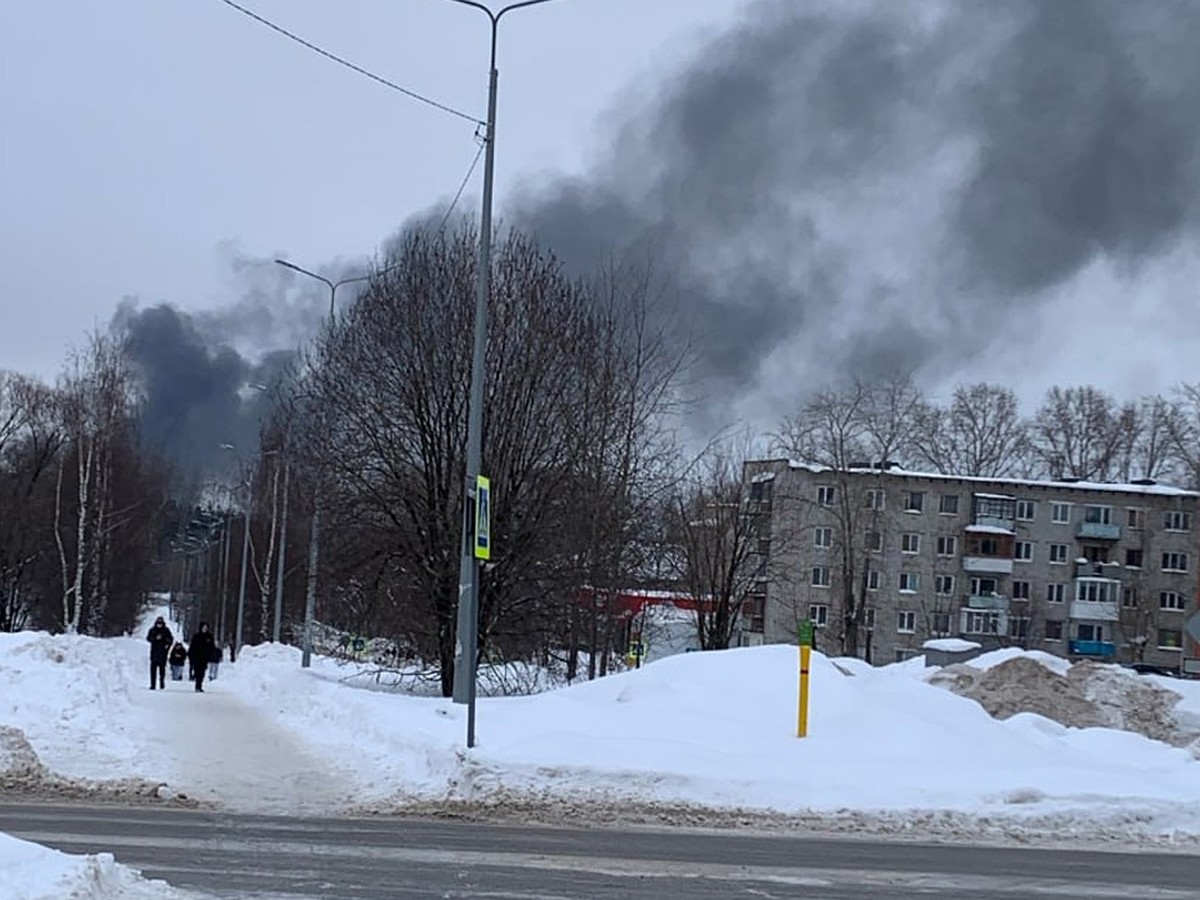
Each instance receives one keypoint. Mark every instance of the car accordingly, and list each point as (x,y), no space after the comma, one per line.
(1151,669)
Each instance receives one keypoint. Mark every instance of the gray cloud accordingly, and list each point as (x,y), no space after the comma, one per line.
(858,188)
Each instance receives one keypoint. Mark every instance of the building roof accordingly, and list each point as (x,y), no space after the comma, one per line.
(1095,486)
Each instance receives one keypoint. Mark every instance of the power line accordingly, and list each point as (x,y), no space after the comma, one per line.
(462,187)
(349,65)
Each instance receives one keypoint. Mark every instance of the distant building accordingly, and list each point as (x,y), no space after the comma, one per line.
(1079,569)
(654,623)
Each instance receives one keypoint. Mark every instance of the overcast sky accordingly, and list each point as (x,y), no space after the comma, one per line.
(971,189)
(148,144)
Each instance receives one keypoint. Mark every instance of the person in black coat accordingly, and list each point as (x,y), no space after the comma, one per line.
(199,653)
(160,639)
(177,658)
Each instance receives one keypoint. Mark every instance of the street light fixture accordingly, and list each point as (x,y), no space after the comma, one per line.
(314,535)
(467,632)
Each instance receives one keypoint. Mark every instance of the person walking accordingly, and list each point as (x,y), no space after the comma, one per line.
(199,653)
(214,661)
(177,658)
(160,639)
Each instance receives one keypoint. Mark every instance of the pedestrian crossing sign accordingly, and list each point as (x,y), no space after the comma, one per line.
(483,517)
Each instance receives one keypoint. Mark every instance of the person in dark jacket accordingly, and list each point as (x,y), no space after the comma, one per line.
(199,653)
(214,662)
(160,639)
(177,658)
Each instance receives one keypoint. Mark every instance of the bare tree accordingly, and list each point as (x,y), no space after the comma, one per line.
(831,432)
(575,381)
(980,433)
(719,520)
(1077,432)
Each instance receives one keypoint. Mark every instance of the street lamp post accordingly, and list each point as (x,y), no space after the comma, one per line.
(314,534)
(467,632)
(241,607)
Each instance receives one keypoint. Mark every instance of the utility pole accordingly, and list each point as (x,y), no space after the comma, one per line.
(287,473)
(314,532)
(466,645)
(241,609)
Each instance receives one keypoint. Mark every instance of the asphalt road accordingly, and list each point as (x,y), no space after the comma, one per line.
(237,856)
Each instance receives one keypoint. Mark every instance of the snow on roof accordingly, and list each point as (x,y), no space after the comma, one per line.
(762,476)
(1163,490)
(951,645)
(988,529)
(996,496)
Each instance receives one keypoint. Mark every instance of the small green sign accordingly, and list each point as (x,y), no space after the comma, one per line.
(483,518)
(806,632)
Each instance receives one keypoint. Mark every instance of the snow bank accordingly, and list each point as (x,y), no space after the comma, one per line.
(32,872)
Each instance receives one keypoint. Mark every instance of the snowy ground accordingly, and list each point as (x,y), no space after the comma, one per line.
(698,739)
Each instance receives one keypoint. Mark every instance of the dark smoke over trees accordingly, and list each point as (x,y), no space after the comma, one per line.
(858,189)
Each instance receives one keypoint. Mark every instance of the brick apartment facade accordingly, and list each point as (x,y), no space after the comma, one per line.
(1080,570)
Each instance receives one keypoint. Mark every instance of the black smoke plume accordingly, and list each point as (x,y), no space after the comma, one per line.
(864,188)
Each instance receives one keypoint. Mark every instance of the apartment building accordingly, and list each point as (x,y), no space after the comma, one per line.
(1078,569)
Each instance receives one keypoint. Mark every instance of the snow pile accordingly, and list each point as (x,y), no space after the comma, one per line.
(1081,695)
(32,872)
(698,737)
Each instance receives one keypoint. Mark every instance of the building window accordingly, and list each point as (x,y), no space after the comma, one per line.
(873,579)
(1060,513)
(1055,593)
(1170,639)
(1097,515)
(1018,627)
(914,501)
(874,498)
(825,495)
(983,585)
(820,576)
(982,546)
(874,541)
(947,545)
(1129,598)
(1020,590)
(981,622)
(1174,562)
(1177,520)
(869,618)
(910,542)
(1133,558)
(1059,553)
(1091,590)
(1089,631)
(753,611)
(1172,600)
(906,621)
(939,624)
(1054,630)
(1023,551)
(760,491)
(1135,518)
(910,582)
(948,504)
(1026,510)
(943,585)
(818,614)
(823,537)
(906,655)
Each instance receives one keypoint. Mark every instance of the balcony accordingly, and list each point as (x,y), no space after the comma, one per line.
(1101,649)
(996,602)
(1087,569)
(1095,610)
(995,565)
(1099,531)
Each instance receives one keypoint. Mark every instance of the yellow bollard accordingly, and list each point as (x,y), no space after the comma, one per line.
(802,719)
